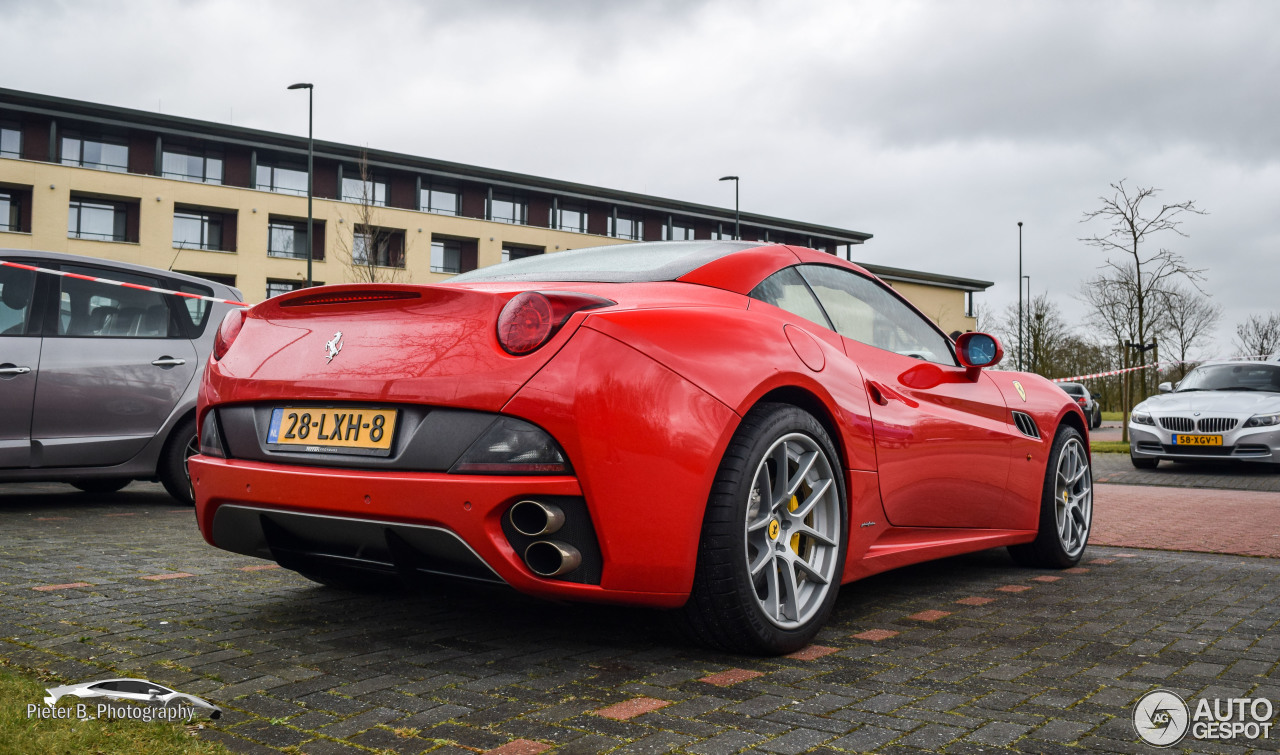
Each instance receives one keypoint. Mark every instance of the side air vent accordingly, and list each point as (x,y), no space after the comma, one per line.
(1026,425)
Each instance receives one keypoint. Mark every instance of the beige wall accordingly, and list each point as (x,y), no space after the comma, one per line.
(53,184)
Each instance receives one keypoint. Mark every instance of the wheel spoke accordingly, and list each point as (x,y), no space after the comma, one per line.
(763,560)
(779,472)
(813,574)
(802,471)
(806,530)
(791,601)
(815,497)
(772,591)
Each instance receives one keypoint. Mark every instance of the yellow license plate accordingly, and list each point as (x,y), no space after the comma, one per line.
(1197,440)
(333,430)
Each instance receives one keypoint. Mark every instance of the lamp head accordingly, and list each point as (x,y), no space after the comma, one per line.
(729,178)
(311,86)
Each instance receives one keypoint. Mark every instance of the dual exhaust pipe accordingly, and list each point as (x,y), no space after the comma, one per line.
(546,558)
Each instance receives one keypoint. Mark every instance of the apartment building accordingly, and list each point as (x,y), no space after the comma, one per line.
(228,203)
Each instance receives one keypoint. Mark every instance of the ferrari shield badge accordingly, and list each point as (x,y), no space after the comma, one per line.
(1021,391)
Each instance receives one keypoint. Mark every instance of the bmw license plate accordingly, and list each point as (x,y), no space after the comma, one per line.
(1197,440)
(326,429)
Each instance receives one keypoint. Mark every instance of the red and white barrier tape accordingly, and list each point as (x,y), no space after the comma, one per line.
(1143,367)
(140,287)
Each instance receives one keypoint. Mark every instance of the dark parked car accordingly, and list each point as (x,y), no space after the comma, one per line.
(98,381)
(1088,402)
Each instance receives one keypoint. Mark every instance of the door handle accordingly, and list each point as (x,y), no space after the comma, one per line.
(881,395)
(168,361)
(12,370)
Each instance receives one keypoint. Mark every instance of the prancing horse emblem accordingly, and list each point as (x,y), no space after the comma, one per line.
(1016,384)
(333,346)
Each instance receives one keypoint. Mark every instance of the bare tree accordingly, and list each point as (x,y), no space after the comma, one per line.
(371,253)
(1259,335)
(1044,335)
(1136,279)
(1189,320)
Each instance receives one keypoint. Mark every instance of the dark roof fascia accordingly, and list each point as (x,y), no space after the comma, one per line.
(109,115)
(930,279)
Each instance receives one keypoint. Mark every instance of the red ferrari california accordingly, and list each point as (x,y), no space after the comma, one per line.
(726,429)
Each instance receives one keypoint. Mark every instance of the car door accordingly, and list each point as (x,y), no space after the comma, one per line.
(19,362)
(942,437)
(113,365)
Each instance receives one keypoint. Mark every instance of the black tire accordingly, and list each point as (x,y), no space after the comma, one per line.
(182,445)
(1066,506)
(102,485)
(1143,463)
(798,574)
(1097,420)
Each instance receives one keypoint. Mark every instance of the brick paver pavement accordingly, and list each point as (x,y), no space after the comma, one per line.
(1245,522)
(1037,667)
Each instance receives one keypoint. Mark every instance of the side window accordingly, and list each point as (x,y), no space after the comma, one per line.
(864,311)
(197,310)
(16,289)
(93,309)
(786,290)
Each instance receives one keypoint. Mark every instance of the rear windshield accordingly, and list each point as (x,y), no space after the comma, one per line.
(617,263)
(1075,389)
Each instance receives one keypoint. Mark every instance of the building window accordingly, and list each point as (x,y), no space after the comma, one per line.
(969,310)
(371,192)
(676,231)
(226,280)
(97,220)
(95,152)
(10,210)
(571,217)
(506,207)
(625,225)
(514,252)
(282,179)
(287,239)
(10,140)
(277,287)
(446,256)
(193,229)
(441,199)
(187,166)
(378,247)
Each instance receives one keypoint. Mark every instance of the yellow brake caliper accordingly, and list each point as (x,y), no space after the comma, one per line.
(795,539)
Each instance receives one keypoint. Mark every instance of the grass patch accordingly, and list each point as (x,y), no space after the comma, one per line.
(1112,416)
(1109,447)
(18,734)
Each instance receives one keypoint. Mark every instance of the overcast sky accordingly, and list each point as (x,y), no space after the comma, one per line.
(935,126)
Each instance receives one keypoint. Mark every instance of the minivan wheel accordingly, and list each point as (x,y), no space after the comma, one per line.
(182,445)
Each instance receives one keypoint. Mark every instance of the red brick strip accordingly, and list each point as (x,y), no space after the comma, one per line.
(632,708)
(520,747)
(730,677)
(929,615)
(1045,578)
(67,586)
(975,601)
(1104,561)
(1076,570)
(875,635)
(1014,588)
(174,575)
(1245,522)
(812,652)
(264,567)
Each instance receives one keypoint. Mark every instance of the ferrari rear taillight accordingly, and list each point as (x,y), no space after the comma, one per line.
(227,332)
(1081,400)
(531,318)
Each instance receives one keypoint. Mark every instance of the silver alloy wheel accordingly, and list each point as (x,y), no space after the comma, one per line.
(792,530)
(1073,497)
(193,448)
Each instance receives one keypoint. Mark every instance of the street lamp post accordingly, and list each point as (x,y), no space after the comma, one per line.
(310,171)
(1020,345)
(737,225)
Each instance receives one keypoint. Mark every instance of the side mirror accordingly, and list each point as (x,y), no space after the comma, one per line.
(978,350)
(1096,395)
(1165,387)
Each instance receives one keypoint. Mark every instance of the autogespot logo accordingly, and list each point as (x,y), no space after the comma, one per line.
(1162,718)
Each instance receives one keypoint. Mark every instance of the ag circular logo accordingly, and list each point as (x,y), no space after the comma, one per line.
(1161,718)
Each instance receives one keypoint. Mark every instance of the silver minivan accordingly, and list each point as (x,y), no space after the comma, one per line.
(98,381)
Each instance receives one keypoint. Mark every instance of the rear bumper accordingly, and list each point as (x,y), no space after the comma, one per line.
(452,524)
